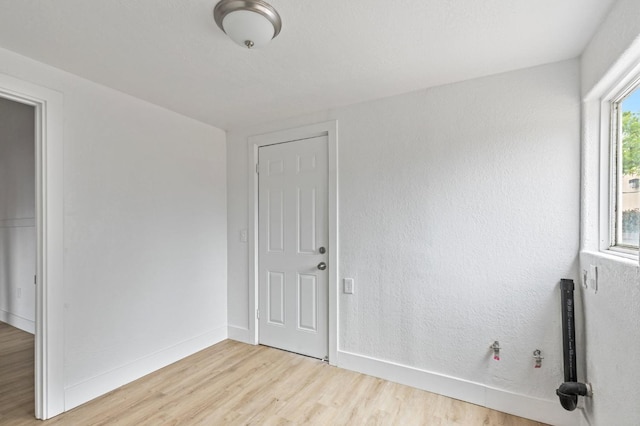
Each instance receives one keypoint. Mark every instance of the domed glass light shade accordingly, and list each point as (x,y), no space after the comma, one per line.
(249,23)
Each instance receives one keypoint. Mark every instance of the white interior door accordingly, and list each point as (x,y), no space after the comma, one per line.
(293,242)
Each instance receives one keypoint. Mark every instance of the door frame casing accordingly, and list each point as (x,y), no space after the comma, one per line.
(330,130)
(49,336)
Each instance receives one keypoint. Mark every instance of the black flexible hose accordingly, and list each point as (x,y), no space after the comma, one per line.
(568,391)
(568,394)
(568,330)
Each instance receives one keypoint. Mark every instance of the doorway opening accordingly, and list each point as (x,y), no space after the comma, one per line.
(46,224)
(17,215)
(17,255)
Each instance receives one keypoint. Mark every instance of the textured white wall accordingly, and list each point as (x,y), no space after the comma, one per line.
(612,335)
(145,232)
(459,213)
(612,341)
(17,214)
(610,43)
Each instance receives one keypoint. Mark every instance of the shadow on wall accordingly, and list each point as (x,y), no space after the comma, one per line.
(6,301)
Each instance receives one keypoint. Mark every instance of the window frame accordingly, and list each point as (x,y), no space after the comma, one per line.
(610,163)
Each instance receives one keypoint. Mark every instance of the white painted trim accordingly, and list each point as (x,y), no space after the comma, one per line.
(49,357)
(623,261)
(545,411)
(18,322)
(80,393)
(600,113)
(240,334)
(596,150)
(619,74)
(610,178)
(329,129)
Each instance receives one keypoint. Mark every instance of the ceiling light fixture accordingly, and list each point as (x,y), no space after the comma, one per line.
(249,23)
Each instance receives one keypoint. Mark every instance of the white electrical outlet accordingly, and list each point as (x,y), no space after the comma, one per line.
(19,292)
(349,286)
(243,236)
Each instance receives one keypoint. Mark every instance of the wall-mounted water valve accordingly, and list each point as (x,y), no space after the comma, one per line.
(537,356)
(496,350)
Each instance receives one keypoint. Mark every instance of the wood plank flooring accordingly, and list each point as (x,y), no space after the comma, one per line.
(233,383)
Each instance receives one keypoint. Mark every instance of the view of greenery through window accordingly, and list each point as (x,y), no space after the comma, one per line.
(629,187)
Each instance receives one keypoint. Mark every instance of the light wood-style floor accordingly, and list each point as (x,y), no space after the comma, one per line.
(233,383)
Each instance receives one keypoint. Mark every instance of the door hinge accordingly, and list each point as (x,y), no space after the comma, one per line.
(258,168)
(258,313)
(35,280)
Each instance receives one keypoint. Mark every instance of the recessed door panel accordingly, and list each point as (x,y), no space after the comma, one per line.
(306,220)
(307,302)
(276,298)
(276,220)
(306,163)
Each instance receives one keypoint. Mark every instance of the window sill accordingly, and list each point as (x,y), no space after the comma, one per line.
(626,259)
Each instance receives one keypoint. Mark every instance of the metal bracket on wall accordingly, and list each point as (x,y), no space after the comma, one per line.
(537,355)
(496,350)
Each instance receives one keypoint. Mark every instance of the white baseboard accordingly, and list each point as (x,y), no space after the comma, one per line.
(85,391)
(545,411)
(18,322)
(240,334)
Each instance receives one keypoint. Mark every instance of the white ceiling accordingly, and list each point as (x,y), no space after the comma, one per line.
(330,52)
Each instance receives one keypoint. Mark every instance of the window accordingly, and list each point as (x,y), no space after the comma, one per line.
(625,165)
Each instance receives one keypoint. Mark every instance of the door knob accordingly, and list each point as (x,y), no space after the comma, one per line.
(322,266)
